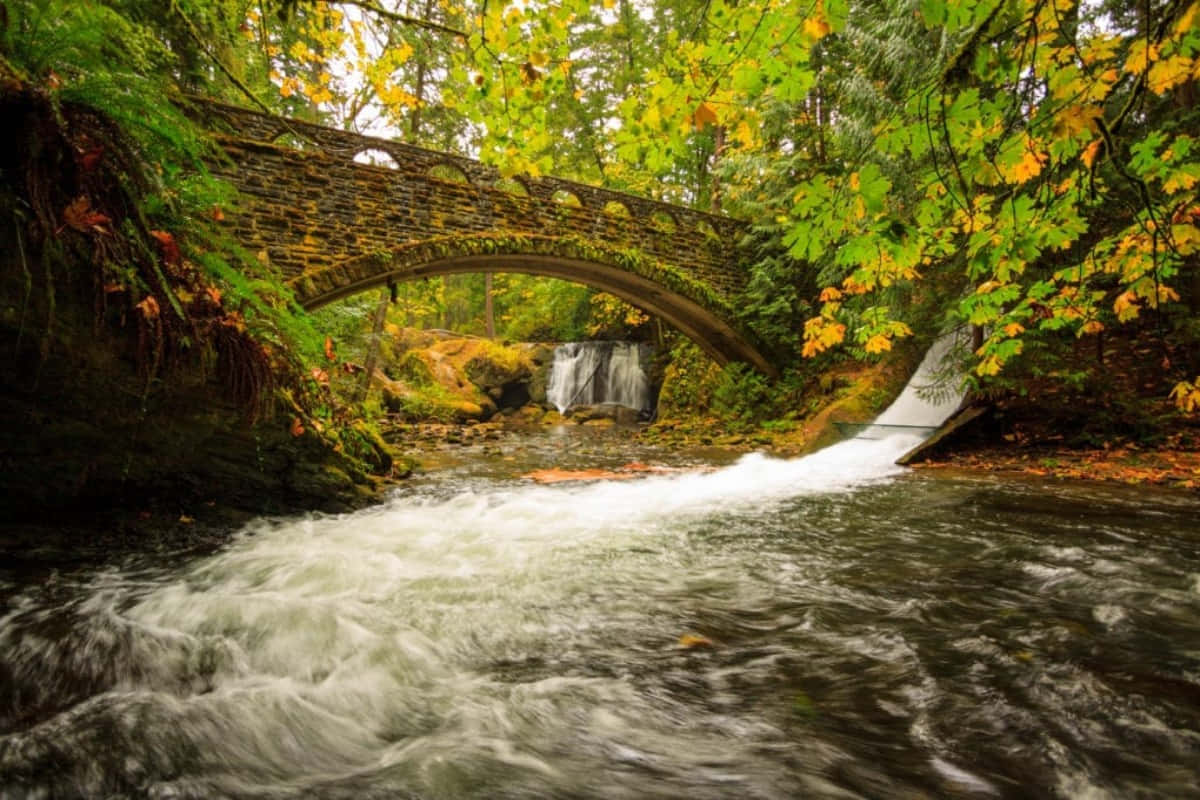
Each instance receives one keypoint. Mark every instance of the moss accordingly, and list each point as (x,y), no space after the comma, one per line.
(312,285)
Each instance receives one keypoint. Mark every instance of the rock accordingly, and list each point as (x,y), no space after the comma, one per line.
(623,415)
(610,411)
(379,455)
(599,422)
(465,410)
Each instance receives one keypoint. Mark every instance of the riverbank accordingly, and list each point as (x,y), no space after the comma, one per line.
(1175,467)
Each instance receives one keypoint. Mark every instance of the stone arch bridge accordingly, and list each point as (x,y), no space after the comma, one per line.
(334,226)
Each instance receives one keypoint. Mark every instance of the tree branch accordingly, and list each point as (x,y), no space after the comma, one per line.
(404,19)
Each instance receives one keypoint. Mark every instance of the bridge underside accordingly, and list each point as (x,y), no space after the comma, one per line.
(697,313)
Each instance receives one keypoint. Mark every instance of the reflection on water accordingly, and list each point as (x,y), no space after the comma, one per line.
(875,634)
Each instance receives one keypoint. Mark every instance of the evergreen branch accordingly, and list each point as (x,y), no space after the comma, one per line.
(203,45)
(404,19)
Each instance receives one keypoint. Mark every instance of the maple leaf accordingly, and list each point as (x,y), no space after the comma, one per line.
(1126,306)
(1028,166)
(691,641)
(878,343)
(90,158)
(816,27)
(80,215)
(168,247)
(703,116)
(329,352)
(320,376)
(1167,74)
(217,214)
(297,428)
(149,307)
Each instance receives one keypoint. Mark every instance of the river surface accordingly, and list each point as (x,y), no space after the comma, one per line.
(825,627)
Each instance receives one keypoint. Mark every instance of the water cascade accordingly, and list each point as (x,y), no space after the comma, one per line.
(590,373)
(927,400)
(869,634)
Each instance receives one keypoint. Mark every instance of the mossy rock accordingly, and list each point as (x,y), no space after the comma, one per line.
(413,368)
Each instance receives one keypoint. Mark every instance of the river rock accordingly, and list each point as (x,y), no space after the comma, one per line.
(620,414)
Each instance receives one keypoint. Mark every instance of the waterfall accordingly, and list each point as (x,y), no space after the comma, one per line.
(927,400)
(590,373)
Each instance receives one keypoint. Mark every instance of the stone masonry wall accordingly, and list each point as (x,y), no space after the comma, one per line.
(307,209)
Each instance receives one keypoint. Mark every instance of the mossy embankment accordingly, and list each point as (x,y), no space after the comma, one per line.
(703,404)
(138,370)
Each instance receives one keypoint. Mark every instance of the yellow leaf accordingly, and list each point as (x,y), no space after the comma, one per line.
(816,27)
(1167,74)
(852,286)
(1092,326)
(1186,395)
(704,116)
(1125,306)
(1090,153)
(539,59)
(1028,166)
(1187,19)
(1075,119)
(609,3)
(1141,56)
(989,366)
(745,134)
(1180,179)
(830,293)
(692,641)
(1013,329)
(878,343)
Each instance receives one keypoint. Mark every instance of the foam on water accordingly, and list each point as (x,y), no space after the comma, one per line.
(314,648)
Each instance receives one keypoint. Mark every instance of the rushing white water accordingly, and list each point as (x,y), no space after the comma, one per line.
(928,398)
(505,639)
(589,373)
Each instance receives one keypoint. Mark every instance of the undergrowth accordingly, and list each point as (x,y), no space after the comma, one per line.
(107,186)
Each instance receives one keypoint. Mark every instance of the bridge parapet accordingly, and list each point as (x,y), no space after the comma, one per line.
(308,204)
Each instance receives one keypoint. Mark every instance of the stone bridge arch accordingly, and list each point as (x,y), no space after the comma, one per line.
(695,309)
(333,226)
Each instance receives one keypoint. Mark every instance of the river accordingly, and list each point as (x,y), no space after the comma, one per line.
(833,626)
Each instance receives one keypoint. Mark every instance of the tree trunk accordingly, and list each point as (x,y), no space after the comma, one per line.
(373,345)
(714,185)
(489,315)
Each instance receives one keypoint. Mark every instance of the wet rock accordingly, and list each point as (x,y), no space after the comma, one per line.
(609,411)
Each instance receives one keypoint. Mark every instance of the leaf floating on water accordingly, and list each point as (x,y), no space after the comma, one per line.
(555,475)
(631,470)
(691,641)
